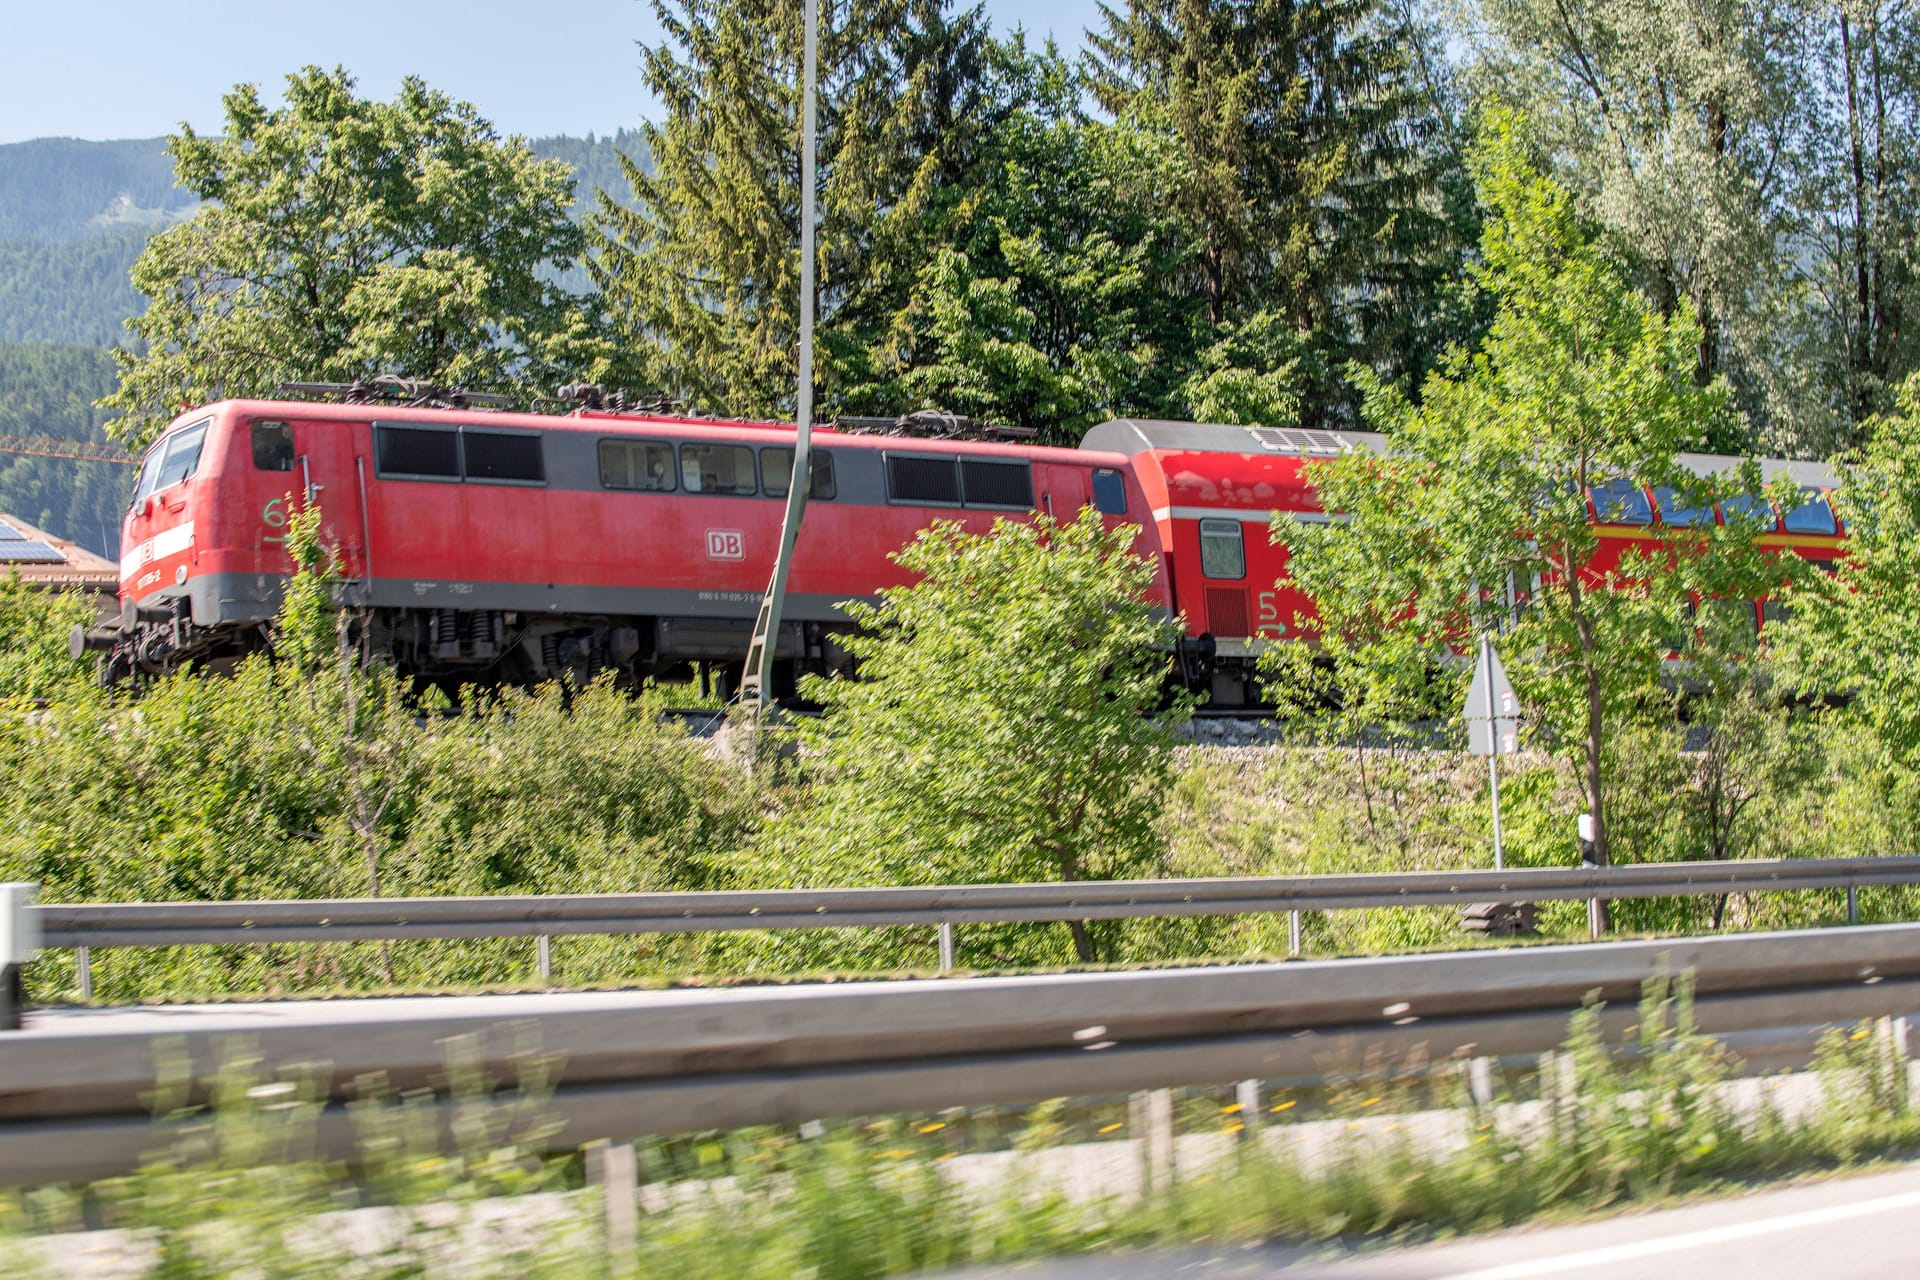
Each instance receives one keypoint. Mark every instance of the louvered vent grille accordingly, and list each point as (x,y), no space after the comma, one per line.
(1227,611)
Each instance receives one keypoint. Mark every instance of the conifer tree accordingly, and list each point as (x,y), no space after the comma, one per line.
(1318,152)
(702,275)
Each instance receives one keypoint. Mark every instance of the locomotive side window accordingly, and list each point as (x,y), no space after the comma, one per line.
(415,454)
(637,464)
(930,482)
(502,458)
(717,468)
(1621,502)
(1109,492)
(1223,554)
(996,484)
(776,472)
(1813,515)
(272,446)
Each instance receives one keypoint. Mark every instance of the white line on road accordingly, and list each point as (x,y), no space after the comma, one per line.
(1687,1240)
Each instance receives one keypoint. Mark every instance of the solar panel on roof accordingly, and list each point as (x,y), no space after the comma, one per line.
(10,534)
(23,551)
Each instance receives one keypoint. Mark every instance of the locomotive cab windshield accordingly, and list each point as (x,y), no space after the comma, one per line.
(172,459)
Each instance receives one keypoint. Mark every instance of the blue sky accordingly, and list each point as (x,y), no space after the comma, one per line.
(137,68)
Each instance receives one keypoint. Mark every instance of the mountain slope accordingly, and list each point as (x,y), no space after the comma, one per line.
(59,189)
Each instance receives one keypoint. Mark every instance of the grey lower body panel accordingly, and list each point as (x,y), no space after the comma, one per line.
(246,598)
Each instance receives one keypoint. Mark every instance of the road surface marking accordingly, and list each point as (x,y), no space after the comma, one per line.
(1687,1240)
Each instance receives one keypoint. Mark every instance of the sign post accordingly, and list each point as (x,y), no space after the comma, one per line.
(1493,726)
(756,683)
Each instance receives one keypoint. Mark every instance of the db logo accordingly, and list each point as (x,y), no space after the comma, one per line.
(726,544)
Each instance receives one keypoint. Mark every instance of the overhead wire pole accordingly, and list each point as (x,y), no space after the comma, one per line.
(756,683)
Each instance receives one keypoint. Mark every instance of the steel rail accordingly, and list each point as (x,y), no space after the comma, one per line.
(372,919)
(76,1085)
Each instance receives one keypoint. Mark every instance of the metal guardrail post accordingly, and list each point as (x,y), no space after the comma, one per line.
(19,941)
(543,955)
(1150,1116)
(1853,904)
(1293,933)
(612,1167)
(946,946)
(1247,1095)
(1480,1081)
(83,970)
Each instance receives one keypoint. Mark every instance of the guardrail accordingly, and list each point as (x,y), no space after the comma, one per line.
(166,924)
(76,1084)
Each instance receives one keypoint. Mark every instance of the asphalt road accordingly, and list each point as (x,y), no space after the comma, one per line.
(1843,1228)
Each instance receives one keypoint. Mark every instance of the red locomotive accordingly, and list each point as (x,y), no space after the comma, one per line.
(498,546)
(519,547)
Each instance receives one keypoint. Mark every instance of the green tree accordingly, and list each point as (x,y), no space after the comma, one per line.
(1319,189)
(34,623)
(344,238)
(701,275)
(1852,632)
(1853,203)
(1673,123)
(1007,724)
(1048,300)
(1477,516)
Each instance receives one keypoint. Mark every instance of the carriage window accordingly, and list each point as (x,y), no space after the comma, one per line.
(717,468)
(417,454)
(637,464)
(1813,515)
(1674,509)
(1621,502)
(776,470)
(503,458)
(923,481)
(272,446)
(1222,553)
(1751,506)
(1109,493)
(996,484)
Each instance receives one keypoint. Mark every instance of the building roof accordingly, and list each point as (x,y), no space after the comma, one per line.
(45,560)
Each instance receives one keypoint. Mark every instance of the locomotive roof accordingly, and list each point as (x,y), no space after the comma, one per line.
(1135,436)
(717,429)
